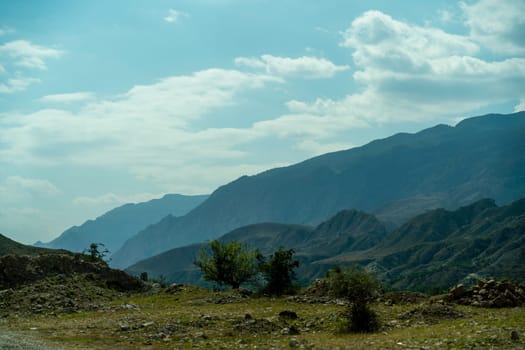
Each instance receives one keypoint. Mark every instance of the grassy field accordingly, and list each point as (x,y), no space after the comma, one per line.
(196,318)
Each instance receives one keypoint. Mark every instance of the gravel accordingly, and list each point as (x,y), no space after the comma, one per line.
(12,341)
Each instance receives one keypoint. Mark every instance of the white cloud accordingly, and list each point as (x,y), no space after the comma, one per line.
(445,16)
(146,130)
(73,97)
(6,30)
(316,148)
(22,53)
(410,72)
(520,106)
(17,84)
(305,67)
(37,186)
(174,16)
(497,25)
(114,199)
(27,54)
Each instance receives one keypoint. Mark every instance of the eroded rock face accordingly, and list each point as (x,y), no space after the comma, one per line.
(18,270)
(489,293)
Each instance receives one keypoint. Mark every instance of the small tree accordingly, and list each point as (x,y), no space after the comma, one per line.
(229,263)
(97,251)
(278,271)
(359,288)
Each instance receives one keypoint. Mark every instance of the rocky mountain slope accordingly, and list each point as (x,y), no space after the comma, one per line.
(117,225)
(433,250)
(441,247)
(396,178)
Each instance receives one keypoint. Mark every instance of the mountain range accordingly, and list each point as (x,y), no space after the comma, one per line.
(436,249)
(117,225)
(394,178)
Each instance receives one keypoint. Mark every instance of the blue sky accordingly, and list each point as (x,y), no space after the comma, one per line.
(108,102)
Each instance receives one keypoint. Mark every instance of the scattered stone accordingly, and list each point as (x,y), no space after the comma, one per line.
(130,307)
(489,294)
(458,291)
(288,314)
(293,330)
(147,324)
(245,292)
(200,336)
(294,343)
(433,313)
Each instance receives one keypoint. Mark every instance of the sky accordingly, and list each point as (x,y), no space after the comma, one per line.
(108,102)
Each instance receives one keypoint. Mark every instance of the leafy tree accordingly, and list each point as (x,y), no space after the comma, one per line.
(97,251)
(359,288)
(228,264)
(278,271)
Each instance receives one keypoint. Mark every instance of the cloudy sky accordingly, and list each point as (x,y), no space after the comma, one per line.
(108,102)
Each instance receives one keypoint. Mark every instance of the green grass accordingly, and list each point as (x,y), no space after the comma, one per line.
(194,318)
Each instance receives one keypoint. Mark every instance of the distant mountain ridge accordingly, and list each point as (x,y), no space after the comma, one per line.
(117,225)
(346,231)
(397,178)
(437,249)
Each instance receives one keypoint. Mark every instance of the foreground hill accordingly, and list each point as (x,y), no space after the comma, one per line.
(433,250)
(117,225)
(186,317)
(10,247)
(396,178)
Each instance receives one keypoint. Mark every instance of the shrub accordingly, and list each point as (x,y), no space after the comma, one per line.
(227,263)
(97,252)
(359,288)
(278,272)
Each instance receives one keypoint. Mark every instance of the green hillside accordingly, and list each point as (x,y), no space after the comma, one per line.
(433,250)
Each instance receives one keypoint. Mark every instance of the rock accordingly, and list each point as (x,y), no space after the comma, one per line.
(490,293)
(244,292)
(458,291)
(293,330)
(124,327)
(248,317)
(294,343)
(288,314)
(199,336)
(147,324)
(130,307)
(514,336)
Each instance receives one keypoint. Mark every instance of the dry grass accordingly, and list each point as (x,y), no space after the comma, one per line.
(196,318)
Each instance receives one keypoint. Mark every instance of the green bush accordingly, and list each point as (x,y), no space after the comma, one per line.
(359,288)
(278,272)
(97,252)
(227,263)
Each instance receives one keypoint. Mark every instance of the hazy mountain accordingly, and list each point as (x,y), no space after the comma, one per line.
(117,225)
(435,249)
(397,178)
